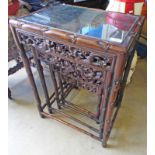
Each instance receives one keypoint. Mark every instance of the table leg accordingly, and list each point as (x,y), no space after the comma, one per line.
(109,116)
(41,76)
(28,70)
(102,112)
(120,94)
(99,105)
(61,87)
(55,84)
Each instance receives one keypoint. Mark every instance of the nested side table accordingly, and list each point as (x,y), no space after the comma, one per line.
(83,48)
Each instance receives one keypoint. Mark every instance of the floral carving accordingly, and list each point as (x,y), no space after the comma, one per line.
(85,68)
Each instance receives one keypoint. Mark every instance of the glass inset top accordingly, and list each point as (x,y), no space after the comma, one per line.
(108,26)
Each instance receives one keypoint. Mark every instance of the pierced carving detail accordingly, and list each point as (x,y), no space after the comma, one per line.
(31,40)
(77,54)
(81,67)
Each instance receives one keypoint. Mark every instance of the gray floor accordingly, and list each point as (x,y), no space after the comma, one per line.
(30,135)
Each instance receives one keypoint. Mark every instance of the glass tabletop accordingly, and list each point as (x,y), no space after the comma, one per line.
(107,26)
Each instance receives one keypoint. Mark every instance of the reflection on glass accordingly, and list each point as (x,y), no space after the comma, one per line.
(99,24)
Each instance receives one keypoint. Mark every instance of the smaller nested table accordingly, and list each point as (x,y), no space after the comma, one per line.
(83,48)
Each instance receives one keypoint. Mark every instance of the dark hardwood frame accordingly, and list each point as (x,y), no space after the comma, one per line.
(112,60)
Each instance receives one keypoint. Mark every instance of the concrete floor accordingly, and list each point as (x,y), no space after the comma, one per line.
(30,135)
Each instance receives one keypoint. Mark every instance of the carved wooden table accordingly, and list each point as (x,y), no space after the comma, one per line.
(83,48)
